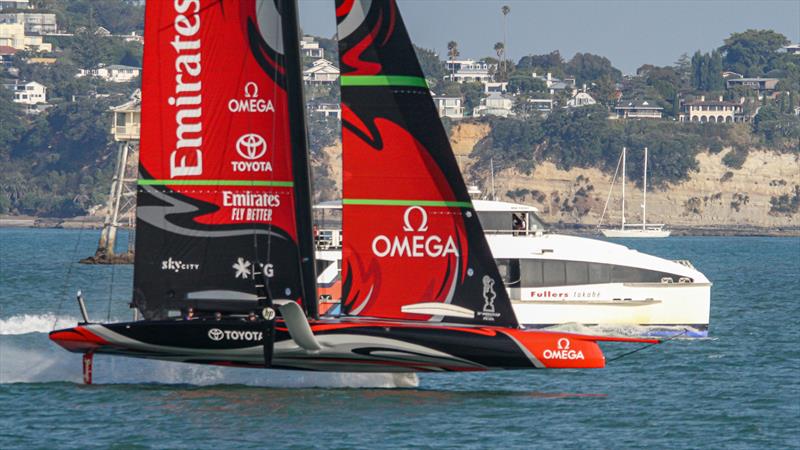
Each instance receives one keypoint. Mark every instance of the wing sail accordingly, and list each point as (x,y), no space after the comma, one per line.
(220,180)
(412,236)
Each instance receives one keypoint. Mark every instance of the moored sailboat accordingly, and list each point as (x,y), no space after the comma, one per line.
(643,230)
(217,244)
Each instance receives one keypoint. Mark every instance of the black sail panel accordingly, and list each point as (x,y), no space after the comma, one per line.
(413,245)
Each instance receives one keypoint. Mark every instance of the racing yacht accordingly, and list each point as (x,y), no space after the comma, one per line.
(555,279)
(224,270)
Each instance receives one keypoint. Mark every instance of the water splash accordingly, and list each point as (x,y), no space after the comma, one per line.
(32,358)
(34,323)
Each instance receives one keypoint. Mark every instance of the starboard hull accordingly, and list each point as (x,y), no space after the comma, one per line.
(347,346)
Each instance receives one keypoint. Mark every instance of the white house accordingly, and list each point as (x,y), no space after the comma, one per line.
(495,105)
(114,73)
(495,86)
(449,106)
(28,93)
(554,84)
(321,72)
(467,70)
(581,98)
(310,47)
(638,110)
(34,23)
(326,110)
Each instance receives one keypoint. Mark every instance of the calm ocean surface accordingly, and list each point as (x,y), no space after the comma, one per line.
(740,388)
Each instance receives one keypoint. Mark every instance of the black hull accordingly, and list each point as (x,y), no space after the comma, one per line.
(346,346)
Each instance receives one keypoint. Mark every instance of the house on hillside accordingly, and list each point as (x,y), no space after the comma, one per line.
(326,109)
(581,98)
(310,48)
(495,105)
(792,49)
(14,4)
(13,35)
(31,94)
(491,86)
(451,107)
(757,84)
(638,109)
(114,73)
(712,111)
(7,55)
(321,72)
(33,22)
(554,84)
(467,71)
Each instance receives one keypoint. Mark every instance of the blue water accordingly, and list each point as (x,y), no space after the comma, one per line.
(739,388)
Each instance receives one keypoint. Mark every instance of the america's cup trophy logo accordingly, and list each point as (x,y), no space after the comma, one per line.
(488,294)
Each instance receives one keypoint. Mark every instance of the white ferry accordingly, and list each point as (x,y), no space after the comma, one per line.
(556,280)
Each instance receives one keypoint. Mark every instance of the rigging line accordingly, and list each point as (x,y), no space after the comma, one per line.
(610,190)
(677,335)
(68,275)
(111,291)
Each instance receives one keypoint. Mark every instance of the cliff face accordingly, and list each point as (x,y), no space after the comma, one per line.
(715,195)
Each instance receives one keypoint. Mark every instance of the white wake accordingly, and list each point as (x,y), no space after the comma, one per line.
(34,359)
(35,323)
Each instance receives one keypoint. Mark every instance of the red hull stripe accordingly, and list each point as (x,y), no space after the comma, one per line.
(383,80)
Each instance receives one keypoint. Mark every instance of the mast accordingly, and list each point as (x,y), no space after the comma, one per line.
(644,192)
(299,142)
(623,188)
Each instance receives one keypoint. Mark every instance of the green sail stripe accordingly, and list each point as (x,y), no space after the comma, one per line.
(383,80)
(148,182)
(390,202)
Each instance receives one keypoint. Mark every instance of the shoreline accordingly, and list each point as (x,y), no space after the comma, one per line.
(89,222)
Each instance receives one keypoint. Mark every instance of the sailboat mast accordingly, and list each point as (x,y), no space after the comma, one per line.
(299,140)
(623,189)
(644,193)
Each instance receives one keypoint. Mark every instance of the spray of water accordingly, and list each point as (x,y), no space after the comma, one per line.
(34,323)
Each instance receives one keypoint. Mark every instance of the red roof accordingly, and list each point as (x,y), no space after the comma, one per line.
(6,50)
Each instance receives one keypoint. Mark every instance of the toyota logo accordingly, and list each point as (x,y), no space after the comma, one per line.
(251,146)
(215,334)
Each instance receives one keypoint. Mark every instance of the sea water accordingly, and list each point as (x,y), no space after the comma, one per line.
(739,388)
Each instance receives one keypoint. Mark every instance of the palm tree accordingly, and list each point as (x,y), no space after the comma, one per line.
(452,53)
(505,10)
(499,48)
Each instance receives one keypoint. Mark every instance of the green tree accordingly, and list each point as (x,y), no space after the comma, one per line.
(751,52)
(587,67)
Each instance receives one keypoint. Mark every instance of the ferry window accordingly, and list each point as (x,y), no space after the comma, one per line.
(623,274)
(599,273)
(577,272)
(554,273)
(495,221)
(531,273)
(509,271)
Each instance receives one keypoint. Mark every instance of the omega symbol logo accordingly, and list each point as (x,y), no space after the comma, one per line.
(563,344)
(250,90)
(215,334)
(251,146)
(423,225)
